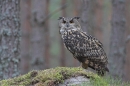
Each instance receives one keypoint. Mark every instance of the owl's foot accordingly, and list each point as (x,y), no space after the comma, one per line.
(85,66)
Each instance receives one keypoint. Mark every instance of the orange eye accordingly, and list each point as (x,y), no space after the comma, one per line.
(71,21)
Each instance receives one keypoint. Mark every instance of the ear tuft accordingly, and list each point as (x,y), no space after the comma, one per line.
(76,18)
(60,18)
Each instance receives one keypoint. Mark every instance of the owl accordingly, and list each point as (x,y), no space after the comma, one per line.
(85,48)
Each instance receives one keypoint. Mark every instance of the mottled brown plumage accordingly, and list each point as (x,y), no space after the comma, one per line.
(85,48)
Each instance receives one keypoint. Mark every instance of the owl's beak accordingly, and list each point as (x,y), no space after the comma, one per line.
(67,25)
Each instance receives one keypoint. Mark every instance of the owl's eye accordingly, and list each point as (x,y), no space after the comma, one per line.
(71,21)
(64,22)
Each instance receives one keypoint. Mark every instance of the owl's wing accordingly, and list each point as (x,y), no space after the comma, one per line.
(87,49)
(86,46)
(96,40)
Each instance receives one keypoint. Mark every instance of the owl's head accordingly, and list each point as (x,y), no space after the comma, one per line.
(69,24)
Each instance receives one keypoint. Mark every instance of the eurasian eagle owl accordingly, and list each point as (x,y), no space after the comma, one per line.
(85,48)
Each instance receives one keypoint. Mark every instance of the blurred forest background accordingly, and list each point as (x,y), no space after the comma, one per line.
(40,45)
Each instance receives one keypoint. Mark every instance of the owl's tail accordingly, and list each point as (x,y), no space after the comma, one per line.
(101,69)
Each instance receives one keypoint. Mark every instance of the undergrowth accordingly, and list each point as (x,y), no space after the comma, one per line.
(54,76)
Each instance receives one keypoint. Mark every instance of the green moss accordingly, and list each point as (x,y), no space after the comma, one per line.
(16,81)
(52,76)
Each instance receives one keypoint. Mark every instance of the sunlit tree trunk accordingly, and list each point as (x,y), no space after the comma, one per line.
(26,29)
(9,38)
(117,45)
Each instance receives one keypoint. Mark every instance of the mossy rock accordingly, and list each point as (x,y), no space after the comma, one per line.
(53,77)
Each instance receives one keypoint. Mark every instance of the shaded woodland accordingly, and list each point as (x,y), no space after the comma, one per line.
(30,39)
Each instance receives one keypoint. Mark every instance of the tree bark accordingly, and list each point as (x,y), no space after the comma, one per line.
(62,53)
(106,24)
(37,34)
(76,6)
(26,29)
(9,38)
(76,12)
(98,20)
(47,37)
(127,68)
(87,15)
(117,44)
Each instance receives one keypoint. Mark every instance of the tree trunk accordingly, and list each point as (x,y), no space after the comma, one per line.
(106,24)
(127,65)
(76,6)
(62,56)
(98,20)
(26,29)
(9,38)
(37,34)
(117,45)
(87,15)
(47,37)
(76,12)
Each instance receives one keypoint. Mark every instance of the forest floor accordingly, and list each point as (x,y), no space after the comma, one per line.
(58,76)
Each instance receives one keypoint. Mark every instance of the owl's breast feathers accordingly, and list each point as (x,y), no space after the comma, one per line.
(87,49)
